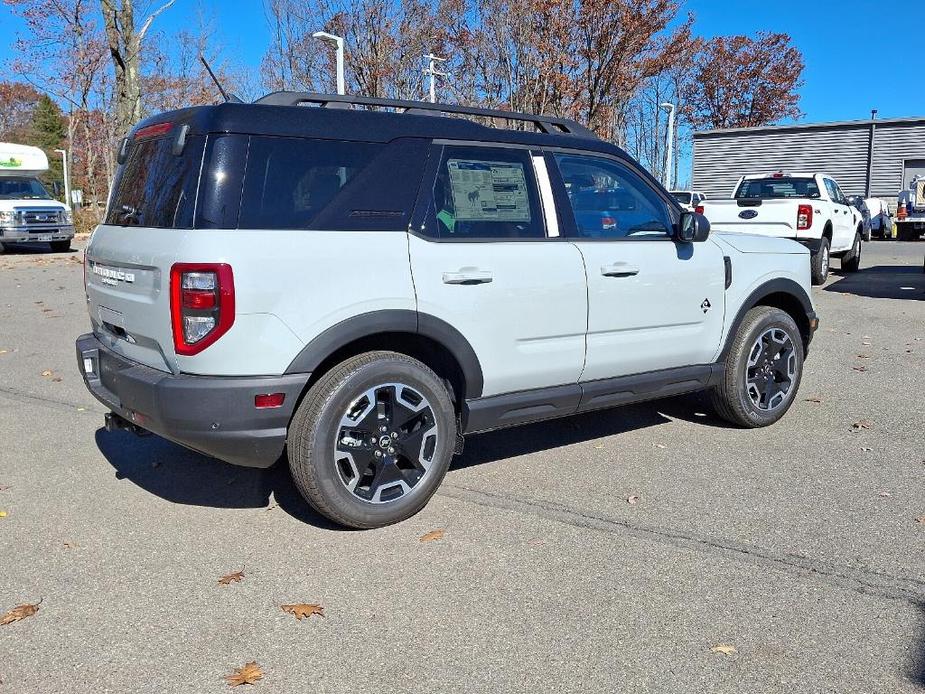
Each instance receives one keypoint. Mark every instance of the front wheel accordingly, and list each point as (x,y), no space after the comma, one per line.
(372,439)
(763,369)
(819,262)
(851,261)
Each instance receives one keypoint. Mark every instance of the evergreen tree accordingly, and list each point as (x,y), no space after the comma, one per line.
(49,132)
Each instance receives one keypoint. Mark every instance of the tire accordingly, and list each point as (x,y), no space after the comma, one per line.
(355,475)
(2,249)
(820,261)
(60,246)
(739,398)
(851,261)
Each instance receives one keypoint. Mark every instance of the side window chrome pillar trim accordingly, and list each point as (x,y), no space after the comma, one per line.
(546,197)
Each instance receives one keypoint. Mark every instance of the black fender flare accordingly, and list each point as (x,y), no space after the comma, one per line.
(392,321)
(780,285)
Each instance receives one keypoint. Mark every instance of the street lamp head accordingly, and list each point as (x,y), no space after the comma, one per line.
(330,38)
(667,106)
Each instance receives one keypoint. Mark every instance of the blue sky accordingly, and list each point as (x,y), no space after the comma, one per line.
(857,53)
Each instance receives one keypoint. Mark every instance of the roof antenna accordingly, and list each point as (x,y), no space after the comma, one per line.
(229,98)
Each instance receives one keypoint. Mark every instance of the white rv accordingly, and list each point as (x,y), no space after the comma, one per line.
(28,213)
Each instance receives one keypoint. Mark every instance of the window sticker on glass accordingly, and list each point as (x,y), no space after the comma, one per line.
(489,190)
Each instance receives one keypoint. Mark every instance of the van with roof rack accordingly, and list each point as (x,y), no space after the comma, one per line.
(356,285)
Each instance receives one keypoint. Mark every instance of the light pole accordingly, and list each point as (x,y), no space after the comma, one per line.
(67,178)
(666,178)
(338,44)
(433,72)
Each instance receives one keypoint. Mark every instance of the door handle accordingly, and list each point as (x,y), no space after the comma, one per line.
(468,276)
(619,270)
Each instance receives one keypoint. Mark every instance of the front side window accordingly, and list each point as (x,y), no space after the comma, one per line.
(610,201)
(486,193)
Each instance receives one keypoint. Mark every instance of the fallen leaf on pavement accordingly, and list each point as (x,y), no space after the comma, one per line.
(861,424)
(885,495)
(235,577)
(20,612)
(2,514)
(866,449)
(863,356)
(920,519)
(725,649)
(4,351)
(248,674)
(432,535)
(302,609)
(70,545)
(660,445)
(859,368)
(814,398)
(632,500)
(46,372)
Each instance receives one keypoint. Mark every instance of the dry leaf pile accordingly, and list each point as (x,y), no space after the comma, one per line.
(432,535)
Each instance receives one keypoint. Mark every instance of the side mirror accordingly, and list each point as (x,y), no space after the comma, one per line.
(692,228)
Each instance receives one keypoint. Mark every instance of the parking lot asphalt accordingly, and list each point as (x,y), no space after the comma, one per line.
(797,545)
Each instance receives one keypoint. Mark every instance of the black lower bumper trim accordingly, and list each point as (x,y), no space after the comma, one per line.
(214,415)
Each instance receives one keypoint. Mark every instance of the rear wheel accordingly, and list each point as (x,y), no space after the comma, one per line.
(60,246)
(763,369)
(371,441)
(851,261)
(819,262)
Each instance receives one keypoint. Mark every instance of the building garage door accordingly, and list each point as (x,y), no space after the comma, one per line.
(911,169)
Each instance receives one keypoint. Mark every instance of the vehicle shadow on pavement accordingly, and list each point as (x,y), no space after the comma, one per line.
(34,249)
(917,670)
(508,443)
(181,476)
(882,282)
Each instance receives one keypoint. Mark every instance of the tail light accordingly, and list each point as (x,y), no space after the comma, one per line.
(699,209)
(201,305)
(804,217)
(608,223)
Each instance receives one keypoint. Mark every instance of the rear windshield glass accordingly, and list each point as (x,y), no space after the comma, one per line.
(291,181)
(784,187)
(156,188)
(22,188)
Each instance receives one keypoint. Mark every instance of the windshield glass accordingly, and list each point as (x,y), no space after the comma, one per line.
(783,187)
(683,198)
(22,188)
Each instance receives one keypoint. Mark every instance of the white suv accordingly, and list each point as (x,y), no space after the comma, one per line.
(356,288)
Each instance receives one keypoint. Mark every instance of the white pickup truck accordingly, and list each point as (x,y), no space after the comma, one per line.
(808,208)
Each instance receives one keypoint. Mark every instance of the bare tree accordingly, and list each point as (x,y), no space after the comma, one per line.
(125,47)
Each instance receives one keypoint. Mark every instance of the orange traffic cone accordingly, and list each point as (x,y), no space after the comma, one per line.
(901,212)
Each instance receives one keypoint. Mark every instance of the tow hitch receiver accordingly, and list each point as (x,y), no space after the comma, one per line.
(114,423)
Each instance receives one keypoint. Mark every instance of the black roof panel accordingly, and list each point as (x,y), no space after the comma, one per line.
(347,123)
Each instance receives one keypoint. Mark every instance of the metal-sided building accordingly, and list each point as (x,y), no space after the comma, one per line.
(875,158)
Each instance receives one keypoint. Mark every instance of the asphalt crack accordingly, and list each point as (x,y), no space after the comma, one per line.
(866,581)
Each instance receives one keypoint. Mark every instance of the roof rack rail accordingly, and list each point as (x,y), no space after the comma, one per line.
(545,124)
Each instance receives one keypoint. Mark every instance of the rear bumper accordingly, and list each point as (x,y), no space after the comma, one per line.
(214,415)
(812,244)
(25,234)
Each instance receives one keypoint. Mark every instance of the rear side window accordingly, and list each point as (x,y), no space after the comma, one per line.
(156,188)
(291,182)
(486,193)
